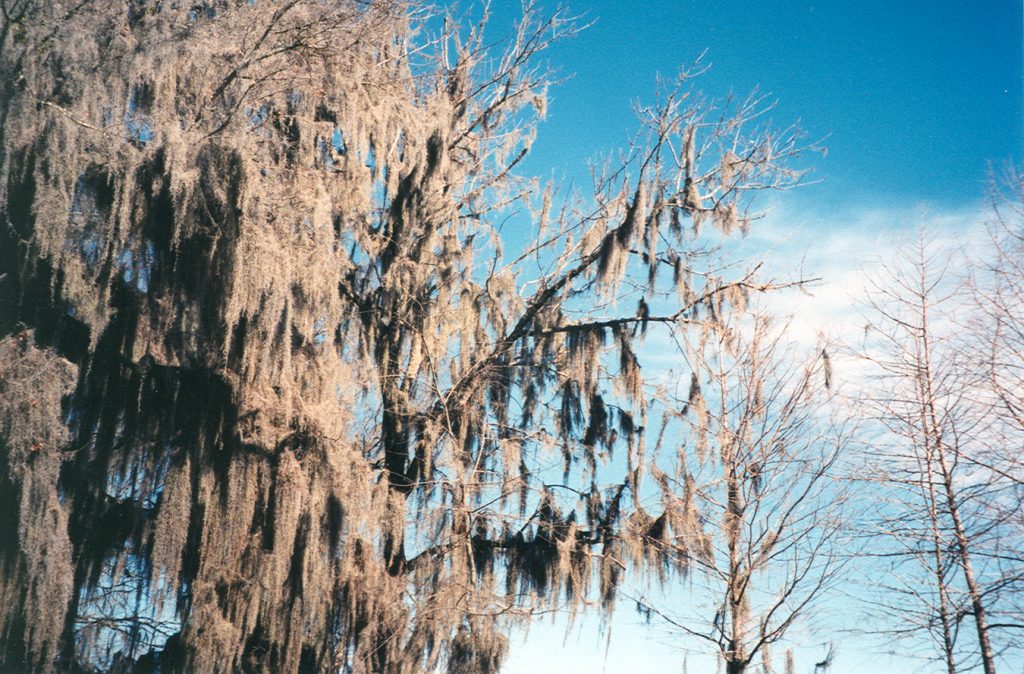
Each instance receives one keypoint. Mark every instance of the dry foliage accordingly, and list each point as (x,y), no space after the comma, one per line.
(316,403)
(751,493)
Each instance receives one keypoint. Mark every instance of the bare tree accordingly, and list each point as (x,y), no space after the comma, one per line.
(752,498)
(998,293)
(938,487)
(309,401)
(995,347)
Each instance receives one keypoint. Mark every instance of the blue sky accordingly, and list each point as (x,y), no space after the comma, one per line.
(914,101)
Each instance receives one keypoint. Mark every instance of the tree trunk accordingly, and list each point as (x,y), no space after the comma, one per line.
(940,583)
(980,620)
(735,666)
(952,502)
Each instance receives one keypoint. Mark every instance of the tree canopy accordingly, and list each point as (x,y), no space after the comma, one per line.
(280,390)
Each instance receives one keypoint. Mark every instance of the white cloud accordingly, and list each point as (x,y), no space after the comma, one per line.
(846,250)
